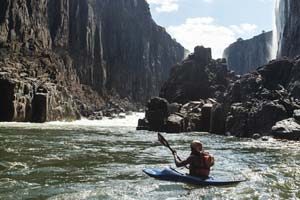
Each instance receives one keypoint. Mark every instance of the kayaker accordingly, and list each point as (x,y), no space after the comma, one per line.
(199,161)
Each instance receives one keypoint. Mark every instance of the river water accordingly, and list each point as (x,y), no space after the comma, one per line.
(105,159)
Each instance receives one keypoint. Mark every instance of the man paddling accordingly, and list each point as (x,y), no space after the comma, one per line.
(199,161)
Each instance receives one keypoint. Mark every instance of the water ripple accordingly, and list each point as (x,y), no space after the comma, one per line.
(93,161)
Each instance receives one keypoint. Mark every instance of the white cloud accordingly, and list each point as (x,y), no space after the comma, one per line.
(208,1)
(205,31)
(165,5)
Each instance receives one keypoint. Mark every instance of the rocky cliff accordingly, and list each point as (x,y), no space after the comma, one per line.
(288,28)
(94,49)
(263,102)
(197,77)
(244,56)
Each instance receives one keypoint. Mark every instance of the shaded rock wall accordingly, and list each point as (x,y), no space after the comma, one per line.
(111,47)
(115,45)
(197,77)
(245,56)
(288,28)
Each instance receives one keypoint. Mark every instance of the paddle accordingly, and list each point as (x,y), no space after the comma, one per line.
(164,142)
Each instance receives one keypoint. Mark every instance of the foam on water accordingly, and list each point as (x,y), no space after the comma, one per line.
(129,121)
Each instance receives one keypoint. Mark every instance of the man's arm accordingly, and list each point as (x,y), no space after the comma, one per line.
(181,163)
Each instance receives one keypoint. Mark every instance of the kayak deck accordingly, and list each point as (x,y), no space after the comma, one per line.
(169,174)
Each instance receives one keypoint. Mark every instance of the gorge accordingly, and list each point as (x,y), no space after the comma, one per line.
(77,76)
(63,59)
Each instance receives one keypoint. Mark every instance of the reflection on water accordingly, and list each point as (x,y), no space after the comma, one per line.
(104,160)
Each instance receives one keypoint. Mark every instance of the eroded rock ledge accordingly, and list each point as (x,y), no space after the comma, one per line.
(202,95)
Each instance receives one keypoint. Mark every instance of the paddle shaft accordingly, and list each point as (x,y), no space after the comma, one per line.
(164,142)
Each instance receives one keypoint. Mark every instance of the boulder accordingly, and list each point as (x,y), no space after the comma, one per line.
(263,115)
(192,107)
(287,129)
(143,124)
(194,122)
(276,73)
(236,120)
(174,108)
(157,113)
(217,119)
(256,136)
(175,124)
(206,117)
(296,115)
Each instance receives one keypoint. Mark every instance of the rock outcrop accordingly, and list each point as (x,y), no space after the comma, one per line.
(245,56)
(197,77)
(288,28)
(187,95)
(248,106)
(111,51)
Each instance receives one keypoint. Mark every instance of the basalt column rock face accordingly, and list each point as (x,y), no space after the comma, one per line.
(108,50)
(288,28)
(245,56)
(117,47)
(139,54)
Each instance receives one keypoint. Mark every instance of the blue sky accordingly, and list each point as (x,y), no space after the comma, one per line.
(213,23)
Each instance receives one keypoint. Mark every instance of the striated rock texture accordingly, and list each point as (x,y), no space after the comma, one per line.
(245,56)
(288,28)
(113,48)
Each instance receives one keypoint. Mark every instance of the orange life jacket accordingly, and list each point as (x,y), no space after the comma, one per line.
(206,162)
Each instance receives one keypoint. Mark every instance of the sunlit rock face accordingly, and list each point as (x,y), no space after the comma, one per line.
(288,28)
(245,56)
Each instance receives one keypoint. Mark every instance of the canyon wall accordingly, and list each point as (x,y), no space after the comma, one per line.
(288,28)
(110,49)
(244,56)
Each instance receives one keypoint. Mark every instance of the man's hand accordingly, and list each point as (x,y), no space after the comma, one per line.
(174,153)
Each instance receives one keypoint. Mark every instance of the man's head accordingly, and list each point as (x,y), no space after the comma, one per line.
(196,145)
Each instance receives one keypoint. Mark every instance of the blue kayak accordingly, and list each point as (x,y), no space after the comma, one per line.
(169,174)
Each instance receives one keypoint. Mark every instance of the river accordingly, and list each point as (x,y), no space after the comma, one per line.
(104,160)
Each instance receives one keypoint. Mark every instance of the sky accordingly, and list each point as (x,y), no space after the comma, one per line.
(213,23)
